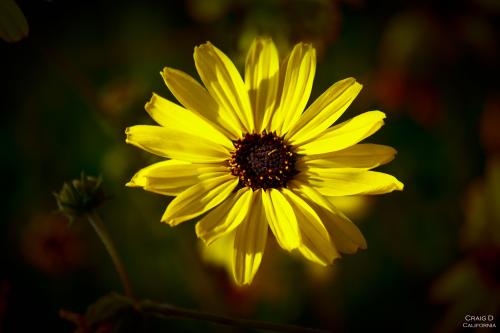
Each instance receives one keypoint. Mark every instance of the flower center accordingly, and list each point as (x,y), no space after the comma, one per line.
(262,160)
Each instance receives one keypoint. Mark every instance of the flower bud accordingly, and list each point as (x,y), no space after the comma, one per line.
(80,196)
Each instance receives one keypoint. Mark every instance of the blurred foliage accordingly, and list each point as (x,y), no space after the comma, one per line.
(86,70)
(111,313)
(473,284)
(13,24)
(482,209)
(50,245)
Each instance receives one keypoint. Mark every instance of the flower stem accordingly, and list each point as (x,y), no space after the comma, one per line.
(102,232)
(166,310)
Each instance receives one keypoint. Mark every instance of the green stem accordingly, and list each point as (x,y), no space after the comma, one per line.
(166,310)
(102,232)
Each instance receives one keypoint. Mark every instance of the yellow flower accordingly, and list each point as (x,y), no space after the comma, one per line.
(246,153)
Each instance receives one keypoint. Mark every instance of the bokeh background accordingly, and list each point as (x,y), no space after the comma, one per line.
(86,69)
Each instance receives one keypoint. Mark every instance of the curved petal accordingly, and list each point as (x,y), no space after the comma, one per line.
(224,83)
(350,181)
(345,234)
(279,93)
(199,199)
(225,217)
(324,111)
(261,79)
(361,155)
(316,243)
(345,134)
(172,116)
(175,144)
(196,98)
(281,219)
(250,243)
(297,85)
(171,177)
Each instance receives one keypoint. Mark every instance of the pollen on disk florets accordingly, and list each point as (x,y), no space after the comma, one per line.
(262,160)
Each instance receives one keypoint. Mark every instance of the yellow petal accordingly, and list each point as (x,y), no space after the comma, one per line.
(345,134)
(196,98)
(361,155)
(316,243)
(277,118)
(297,87)
(225,217)
(261,79)
(224,83)
(199,199)
(345,234)
(172,116)
(324,111)
(350,181)
(175,144)
(281,219)
(171,177)
(250,243)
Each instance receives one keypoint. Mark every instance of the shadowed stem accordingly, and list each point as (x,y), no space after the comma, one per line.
(102,232)
(165,310)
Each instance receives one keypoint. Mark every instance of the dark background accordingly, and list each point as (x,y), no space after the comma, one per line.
(85,72)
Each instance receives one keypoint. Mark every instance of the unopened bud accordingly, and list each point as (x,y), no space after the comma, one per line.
(80,196)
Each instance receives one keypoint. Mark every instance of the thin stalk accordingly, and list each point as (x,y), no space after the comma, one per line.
(102,232)
(165,310)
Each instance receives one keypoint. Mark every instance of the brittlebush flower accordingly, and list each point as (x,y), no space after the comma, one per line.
(246,154)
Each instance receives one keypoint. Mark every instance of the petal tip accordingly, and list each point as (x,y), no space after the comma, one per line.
(358,85)
(151,101)
(167,72)
(201,234)
(381,114)
(240,283)
(167,217)
(204,46)
(399,186)
(363,245)
(334,257)
(243,281)
(170,221)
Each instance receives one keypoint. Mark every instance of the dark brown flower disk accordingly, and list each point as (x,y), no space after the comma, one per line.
(262,160)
